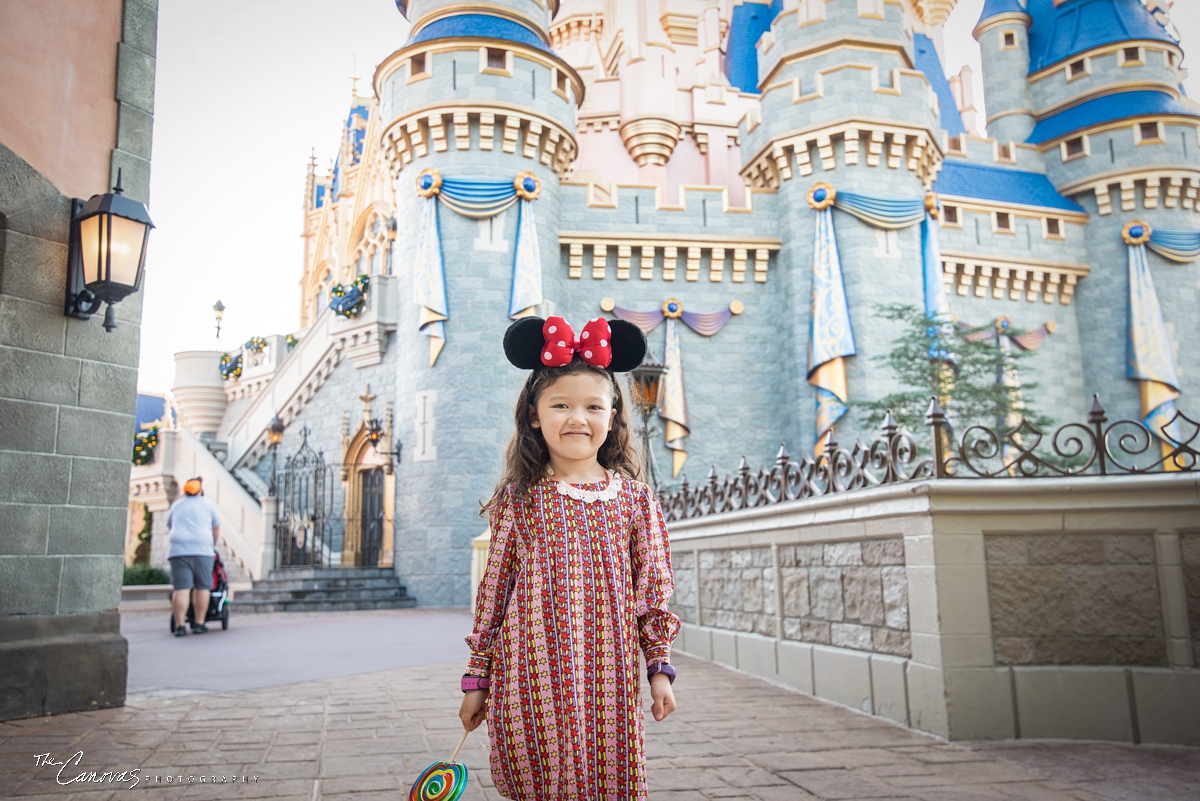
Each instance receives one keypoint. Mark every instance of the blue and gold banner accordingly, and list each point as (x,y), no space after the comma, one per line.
(429,281)
(476,199)
(673,410)
(830,336)
(1149,359)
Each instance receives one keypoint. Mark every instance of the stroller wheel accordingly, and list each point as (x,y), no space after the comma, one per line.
(225,617)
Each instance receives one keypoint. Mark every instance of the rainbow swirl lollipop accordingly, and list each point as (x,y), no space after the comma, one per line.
(441,781)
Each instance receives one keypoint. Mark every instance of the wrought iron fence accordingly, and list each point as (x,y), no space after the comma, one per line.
(1095,448)
(309,516)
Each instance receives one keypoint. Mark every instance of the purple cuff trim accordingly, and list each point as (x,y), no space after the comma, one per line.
(664,668)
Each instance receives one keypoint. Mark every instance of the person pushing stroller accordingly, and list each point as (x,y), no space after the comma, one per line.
(194,528)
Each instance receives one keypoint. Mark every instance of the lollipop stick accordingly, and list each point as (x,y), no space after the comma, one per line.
(454,756)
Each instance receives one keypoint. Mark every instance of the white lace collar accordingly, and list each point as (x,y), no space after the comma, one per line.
(609,493)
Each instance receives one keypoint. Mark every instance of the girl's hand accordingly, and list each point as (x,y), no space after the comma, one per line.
(474,709)
(663,695)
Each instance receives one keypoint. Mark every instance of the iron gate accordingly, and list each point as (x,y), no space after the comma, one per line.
(309,516)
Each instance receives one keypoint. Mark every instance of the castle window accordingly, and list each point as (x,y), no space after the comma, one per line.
(1002,222)
(1074,148)
(1132,57)
(1170,59)
(1078,69)
(955,143)
(950,217)
(1149,133)
(1005,152)
(1009,40)
(560,82)
(495,58)
(1053,228)
(416,67)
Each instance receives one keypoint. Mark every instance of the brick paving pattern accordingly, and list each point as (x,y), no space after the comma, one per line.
(365,737)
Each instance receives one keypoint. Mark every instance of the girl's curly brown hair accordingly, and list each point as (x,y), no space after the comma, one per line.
(527,456)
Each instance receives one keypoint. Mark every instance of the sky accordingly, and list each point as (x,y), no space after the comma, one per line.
(244,92)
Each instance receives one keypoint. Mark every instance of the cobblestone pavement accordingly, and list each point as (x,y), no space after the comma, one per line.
(366,735)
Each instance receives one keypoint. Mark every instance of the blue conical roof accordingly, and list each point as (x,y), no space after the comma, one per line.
(994,8)
(1058,33)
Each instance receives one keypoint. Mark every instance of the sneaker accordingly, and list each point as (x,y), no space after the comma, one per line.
(180,631)
(201,629)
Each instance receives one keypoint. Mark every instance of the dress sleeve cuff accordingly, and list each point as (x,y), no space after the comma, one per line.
(479,665)
(658,653)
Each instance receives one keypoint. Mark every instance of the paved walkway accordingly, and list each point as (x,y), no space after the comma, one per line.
(301,707)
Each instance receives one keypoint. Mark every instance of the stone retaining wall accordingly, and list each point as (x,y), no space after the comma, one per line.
(971,609)
(1075,600)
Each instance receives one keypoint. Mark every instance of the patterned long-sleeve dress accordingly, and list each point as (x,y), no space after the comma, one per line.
(575,585)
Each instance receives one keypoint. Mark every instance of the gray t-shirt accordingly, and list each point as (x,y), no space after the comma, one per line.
(191,520)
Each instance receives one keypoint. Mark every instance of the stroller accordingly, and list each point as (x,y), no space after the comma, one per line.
(218,604)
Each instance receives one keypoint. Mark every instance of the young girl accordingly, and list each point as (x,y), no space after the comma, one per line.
(578,577)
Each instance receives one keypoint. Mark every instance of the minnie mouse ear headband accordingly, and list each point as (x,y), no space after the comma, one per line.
(532,343)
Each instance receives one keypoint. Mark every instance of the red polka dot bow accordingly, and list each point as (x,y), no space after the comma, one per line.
(594,344)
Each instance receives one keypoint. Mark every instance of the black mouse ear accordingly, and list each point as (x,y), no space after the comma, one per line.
(523,343)
(628,346)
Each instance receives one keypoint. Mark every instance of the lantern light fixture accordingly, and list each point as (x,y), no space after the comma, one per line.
(106,253)
(219,313)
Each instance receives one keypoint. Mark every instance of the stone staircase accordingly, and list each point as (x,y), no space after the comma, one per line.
(324,590)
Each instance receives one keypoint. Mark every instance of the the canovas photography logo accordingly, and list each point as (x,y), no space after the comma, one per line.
(71,771)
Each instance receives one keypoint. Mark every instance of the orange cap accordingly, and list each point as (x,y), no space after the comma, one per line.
(191,486)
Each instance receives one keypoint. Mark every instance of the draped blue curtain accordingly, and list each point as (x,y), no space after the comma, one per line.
(882,212)
(1176,245)
(476,199)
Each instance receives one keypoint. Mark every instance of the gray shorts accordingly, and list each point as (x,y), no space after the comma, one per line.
(192,572)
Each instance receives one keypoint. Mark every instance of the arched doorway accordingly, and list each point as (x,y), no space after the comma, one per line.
(370,492)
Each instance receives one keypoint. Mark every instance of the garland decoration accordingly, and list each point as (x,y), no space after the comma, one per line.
(349,300)
(144,444)
(292,342)
(231,368)
(255,345)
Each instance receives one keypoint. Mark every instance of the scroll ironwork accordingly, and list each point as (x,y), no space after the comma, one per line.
(1099,447)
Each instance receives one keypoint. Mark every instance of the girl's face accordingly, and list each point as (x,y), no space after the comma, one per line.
(575,414)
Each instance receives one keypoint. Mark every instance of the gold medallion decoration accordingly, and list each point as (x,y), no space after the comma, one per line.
(527,185)
(1136,232)
(429,182)
(933,205)
(607,304)
(672,308)
(821,196)
(737,307)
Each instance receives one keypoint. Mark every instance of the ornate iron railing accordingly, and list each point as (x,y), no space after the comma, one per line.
(1095,448)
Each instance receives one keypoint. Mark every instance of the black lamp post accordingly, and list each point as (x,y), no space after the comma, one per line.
(219,313)
(274,436)
(646,387)
(106,253)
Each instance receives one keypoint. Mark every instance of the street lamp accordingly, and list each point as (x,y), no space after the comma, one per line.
(106,253)
(218,312)
(646,387)
(274,436)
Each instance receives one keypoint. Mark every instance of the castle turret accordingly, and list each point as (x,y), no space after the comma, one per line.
(1003,36)
(849,98)
(1120,138)
(476,93)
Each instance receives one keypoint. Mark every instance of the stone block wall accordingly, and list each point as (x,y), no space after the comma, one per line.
(67,388)
(846,594)
(1075,600)
(1190,546)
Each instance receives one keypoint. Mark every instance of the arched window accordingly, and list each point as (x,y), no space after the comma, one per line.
(370,257)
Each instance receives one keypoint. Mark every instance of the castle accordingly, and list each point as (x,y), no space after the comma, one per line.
(680,161)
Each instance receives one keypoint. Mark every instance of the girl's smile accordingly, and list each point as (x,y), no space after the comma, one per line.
(575,414)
